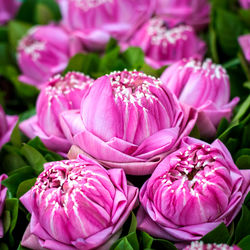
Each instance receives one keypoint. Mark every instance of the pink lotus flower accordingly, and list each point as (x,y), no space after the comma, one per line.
(77,204)
(244,42)
(245,4)
(192,12)
(204,86)
(199,245)
(96,21)
(192,191)
(164,46)
(60,94)
(128,121)
(45,51)
(7,124)
(8,9)
(3,191)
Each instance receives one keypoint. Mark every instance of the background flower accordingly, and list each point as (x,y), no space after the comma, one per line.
(8,9)
(204,86)
(45,51)
(199,245)
(245,4)
(7,123)
(198,179)
(128,121)
(193,12)
(164,46)
(96,21)
(3,191)
(60,94)
(244,42)
(77,204)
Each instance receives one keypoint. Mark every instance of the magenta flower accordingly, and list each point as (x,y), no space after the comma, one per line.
(3,191)
(199,245)
(128,121)
(96,21)
(8,9)
(204,86)
(45,51)
(198,179)
(164,46)
(245,4)
(244,42)
(77,204)
(60,94)
(192,12)
(7,124)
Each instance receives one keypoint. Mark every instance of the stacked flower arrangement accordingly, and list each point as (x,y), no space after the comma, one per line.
(124,124)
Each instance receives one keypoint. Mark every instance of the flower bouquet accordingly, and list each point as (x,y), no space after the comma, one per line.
(124,124)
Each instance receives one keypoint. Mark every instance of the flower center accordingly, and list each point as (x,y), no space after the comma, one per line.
(86,5)
(208,68)
(159,33)
(194,166)
(32,47)
(64,85)
(133,87)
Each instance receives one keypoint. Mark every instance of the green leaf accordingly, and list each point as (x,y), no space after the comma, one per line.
(16,137)
(6,220)
(243,228)
(147,240)
(213,44)
(85,63)
(35,159)
(247,85)
(3,246)
(16,30)
(39,146)
(243,162)
(47,11)
(228,28)
(163,244)
(222,126)
(25,186)
(26,11)
(18,176)
(27,114)
(112,44)
(134,57)
(4,55)
(108,62)
(133,224)
(245,16)
(12,205)
(219,235)
(244,108)
(124,244)
(22,248)
(247,201)
(151,71)
(244,243)
(195,132)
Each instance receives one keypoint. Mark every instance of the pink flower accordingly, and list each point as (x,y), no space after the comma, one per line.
(77,204)
(192,12)
(3,191)
(128,121)
(60,94)
(7,124)
(244,42)
(164,46)
(8,9)
(96,21)
(45,51)
(199,245)
(204,86)
(192,191)
(245,4)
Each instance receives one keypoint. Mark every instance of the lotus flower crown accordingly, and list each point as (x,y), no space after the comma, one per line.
(86,5)
(59,85)
(160,34)
(133,87)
